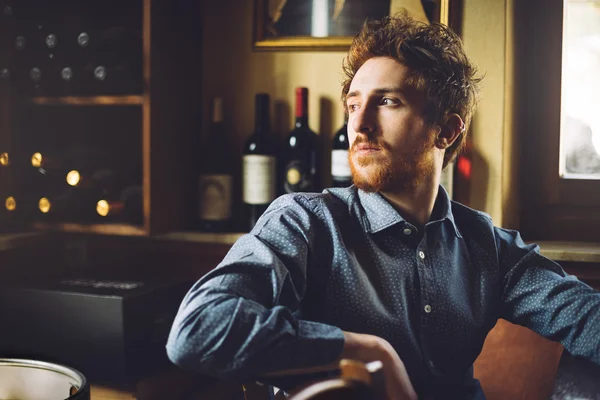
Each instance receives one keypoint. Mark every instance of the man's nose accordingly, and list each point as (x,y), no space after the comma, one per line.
(364,120)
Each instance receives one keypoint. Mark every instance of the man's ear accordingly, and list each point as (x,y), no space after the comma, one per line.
(450,130)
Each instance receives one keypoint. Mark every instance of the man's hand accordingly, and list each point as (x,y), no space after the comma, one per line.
(369,348)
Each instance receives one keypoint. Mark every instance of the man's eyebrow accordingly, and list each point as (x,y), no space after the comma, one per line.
(354,93)
(378,91)
(391,89)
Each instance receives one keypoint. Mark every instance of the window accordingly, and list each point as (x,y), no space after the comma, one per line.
(557,108)
(580,125)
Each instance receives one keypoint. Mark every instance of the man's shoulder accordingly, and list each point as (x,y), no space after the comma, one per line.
(311,213)
(470,221)
(462,211)
(330,199)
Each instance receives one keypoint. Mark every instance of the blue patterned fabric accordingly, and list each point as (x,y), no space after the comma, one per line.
(344,259)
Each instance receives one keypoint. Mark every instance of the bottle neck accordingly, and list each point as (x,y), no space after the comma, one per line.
(302,121)
(217,116)
(301,107)
(262,125)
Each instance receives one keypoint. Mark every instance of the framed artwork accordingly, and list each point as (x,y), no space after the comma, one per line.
(330,24)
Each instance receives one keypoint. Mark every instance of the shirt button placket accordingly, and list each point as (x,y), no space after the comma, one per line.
(427,307)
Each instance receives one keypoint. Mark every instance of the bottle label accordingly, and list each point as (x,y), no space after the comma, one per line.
(214,193)
(259,179)
(340,168)
(298,178)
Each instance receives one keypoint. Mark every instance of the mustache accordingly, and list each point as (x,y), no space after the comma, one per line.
(370,142)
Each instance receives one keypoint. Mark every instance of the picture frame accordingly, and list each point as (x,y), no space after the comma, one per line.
(329,25)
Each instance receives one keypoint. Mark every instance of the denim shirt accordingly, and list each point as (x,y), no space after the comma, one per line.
(345,260)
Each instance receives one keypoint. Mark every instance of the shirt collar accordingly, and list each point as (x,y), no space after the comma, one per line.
(380,214)
(442,210)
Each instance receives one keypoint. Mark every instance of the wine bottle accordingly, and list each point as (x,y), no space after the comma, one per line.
(30,68)
(4,78)
(43,161)
(4,172)
(63,79)
(6,26)
(67,205)
(301,169)
(10,217)
(259,163)
(83,62)
(23,44)
(53,49)
(5,182)
(55,207)
(117,68)
(128,207)
(341,175)
(17,208)
(7,12)
(20,43)
(68,84)
(4,159)
(83,43)
(45,176)
(104,180)
(10,203)
(36,84)
(33,43)
(215,183)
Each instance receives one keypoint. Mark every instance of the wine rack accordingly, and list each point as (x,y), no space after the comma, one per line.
(89,100)
(103,89)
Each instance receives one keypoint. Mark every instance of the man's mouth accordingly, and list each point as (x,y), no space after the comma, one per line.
(366,148)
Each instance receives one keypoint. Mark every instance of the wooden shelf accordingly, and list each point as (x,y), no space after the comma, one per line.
(89,100)
(570,251)
(10,241)
(149,116)
(201,237)
(103,229)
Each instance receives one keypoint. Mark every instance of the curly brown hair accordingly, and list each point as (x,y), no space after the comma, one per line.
(438,66)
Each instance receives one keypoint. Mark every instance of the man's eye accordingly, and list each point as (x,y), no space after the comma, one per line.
(352,107)
(388,102)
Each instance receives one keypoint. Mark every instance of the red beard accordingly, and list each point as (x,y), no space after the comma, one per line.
(381,172)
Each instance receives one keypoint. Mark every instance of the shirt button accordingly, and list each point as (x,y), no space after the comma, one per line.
(407,231)
(421,255)
(427,308)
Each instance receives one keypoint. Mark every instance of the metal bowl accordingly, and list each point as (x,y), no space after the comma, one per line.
(40,380)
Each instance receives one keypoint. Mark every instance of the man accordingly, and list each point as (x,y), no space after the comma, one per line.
(389,269)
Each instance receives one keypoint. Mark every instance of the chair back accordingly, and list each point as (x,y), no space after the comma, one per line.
(357,381)
(577,378)
(346,380)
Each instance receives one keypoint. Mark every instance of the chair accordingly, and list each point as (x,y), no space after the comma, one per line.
(517,364)
(348,380)
(577,378)
(357,381)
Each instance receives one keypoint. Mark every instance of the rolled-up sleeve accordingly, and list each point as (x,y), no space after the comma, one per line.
(240,321)
(539,295)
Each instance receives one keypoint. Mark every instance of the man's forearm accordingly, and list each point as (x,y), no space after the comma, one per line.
(228,336)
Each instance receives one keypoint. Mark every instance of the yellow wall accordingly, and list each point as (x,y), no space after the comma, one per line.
(233,70)
(488,36)
(484,33)
(236,72)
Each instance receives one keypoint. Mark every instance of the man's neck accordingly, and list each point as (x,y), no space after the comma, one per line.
(415,205)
